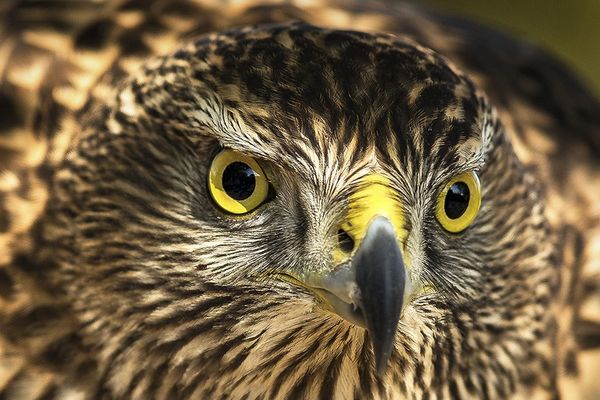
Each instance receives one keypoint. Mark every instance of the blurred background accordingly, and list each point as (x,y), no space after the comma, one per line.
(568,29)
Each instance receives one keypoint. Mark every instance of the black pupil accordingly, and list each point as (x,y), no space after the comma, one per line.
(239,180)
(457,200)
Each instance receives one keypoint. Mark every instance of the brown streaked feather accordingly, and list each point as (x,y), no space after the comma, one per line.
(58,58)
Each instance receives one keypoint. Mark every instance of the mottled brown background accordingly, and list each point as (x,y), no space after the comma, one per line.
(569,29)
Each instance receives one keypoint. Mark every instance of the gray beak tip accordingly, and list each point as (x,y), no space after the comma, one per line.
(380,275)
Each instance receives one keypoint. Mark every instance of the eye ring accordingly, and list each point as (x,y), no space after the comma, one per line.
(236,182)
(459,201)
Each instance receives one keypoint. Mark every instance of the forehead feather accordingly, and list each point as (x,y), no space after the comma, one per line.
(296,88)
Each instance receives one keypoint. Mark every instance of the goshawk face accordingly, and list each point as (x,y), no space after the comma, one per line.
(290,211)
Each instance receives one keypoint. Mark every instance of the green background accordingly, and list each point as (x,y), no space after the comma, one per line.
(568,29)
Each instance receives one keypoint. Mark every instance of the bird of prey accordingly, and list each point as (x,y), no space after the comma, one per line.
(258,200)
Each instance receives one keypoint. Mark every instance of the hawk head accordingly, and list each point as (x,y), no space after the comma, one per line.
(286,210)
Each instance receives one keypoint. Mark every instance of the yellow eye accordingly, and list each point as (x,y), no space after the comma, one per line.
(236,182)
(459,202)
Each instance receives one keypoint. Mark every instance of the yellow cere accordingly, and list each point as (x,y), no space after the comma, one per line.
(218,193)
(374,198)
(461,223)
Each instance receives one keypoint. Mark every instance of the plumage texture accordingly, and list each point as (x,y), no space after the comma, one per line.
(120,279)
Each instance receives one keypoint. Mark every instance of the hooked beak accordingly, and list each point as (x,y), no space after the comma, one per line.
(381,279)
(370,291)
(370,287)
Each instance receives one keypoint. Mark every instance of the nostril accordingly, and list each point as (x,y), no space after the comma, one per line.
(346,242)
